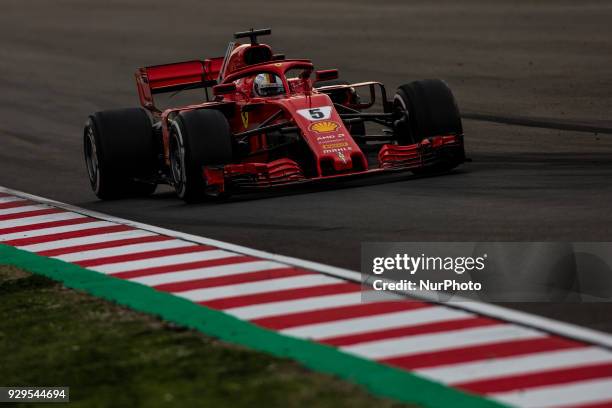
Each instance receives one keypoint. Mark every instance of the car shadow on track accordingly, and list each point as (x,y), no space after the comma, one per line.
(314,187)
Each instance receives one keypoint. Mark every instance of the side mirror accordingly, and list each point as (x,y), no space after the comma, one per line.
(224,89)
(326,74)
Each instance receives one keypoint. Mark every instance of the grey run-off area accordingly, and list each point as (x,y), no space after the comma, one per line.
(62,60)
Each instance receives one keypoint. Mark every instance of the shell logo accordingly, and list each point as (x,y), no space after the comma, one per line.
(324,126)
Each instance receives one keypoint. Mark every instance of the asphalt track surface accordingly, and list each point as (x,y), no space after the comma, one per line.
(60,61)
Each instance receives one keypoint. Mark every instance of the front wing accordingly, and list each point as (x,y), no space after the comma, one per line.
(439,151)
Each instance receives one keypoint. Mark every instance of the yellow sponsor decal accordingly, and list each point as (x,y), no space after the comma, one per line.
(334,145)
(245,119)
(324,126)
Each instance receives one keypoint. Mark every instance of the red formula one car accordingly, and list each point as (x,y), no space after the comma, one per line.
(271,121)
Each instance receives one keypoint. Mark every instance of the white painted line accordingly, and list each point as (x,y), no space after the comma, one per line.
(524,364)
(376,322)
(124,250)
(559,396)
(85,240)
(39,219)
(54,230)
(295,306)
(522,318)
(251,288)
(208,272)
(9,199)
(24,208)
(455,339)
(161,261)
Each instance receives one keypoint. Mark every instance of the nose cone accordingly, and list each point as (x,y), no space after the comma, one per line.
(329,140)
(335,150)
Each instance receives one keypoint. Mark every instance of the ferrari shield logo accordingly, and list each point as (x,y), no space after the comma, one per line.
(245,119)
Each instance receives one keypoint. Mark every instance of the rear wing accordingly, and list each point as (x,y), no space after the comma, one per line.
(172,77)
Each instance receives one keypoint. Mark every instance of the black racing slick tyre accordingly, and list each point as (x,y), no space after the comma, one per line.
(120,153)
(424,109)
(198,138)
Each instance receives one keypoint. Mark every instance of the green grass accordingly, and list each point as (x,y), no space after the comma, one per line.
(112,356)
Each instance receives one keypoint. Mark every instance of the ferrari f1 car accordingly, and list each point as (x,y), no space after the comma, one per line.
(270,121)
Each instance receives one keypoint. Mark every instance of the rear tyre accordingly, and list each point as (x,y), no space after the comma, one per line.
(425,109)
(198,138)
(340,97)
(120,154)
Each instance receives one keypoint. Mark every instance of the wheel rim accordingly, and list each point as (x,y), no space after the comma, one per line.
(402,121)
(400,110)
(177,161)
(91,159)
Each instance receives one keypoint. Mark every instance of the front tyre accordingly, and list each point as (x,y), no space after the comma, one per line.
(120,154)
(424,109)
(198,138)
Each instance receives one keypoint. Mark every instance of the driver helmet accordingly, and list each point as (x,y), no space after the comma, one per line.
(268,85)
